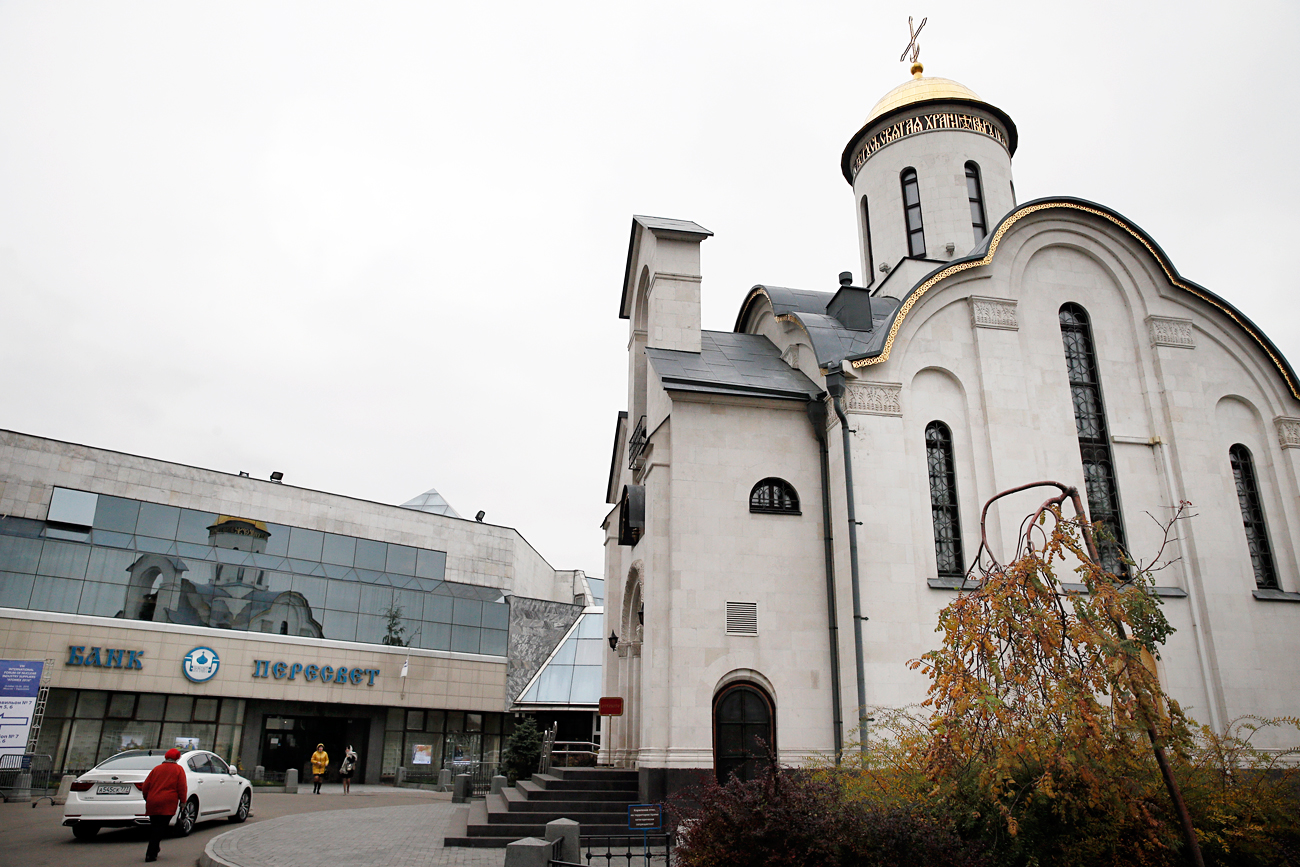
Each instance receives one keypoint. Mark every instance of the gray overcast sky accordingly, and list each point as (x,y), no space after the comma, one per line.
(379,246)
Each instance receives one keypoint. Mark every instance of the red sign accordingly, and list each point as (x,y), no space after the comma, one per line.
(611,706)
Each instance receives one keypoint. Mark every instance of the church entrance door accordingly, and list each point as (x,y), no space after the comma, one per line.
(744,731)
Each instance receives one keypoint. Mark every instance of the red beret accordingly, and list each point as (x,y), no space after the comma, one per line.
(172,755)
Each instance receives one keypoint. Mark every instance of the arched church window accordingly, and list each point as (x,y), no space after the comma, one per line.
(774,495)
(1094,436)
(866,244)
(744,731)
(1252,515)
(912,213)
(975,193)
(943,500)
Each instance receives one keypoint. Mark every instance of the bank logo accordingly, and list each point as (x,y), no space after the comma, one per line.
(200,664)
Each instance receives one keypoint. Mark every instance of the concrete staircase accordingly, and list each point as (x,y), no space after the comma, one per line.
(597,798)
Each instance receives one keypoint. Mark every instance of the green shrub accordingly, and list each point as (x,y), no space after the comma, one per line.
(522,751)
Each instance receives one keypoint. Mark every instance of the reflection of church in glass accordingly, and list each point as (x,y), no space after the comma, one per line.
(236,597)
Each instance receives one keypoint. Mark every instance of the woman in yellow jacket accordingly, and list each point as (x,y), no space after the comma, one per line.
(320,762)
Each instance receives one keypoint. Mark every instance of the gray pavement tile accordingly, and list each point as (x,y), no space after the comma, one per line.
(375,837)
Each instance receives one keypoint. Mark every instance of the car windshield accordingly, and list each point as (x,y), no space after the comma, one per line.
(139,761)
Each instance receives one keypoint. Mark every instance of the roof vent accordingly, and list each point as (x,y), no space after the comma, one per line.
(742,618)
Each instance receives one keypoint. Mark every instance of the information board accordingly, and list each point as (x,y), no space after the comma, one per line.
(645,817)
(20,681)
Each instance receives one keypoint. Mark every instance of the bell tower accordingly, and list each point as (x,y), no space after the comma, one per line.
(930,171)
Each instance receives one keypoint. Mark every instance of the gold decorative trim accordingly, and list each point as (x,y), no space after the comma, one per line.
(1111,218)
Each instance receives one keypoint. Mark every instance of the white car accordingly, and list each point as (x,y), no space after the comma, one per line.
(109,795)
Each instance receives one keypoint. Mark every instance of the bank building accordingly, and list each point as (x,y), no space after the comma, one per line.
(820,468)
(173,604)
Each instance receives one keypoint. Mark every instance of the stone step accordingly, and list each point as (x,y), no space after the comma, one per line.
(535,792)
(552,782)
(595,774)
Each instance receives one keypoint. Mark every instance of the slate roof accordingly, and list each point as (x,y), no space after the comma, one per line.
(728,363)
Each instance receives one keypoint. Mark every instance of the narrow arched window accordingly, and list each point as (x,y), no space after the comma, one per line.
(774,495)
(944,513)
(866,244)
(1252,515)
(1094,436)
(975,193)
(912,213)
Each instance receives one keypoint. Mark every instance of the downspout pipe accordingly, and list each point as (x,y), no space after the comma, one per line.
(817,416)
(835,386)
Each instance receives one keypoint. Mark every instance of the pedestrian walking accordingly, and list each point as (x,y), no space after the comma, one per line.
(320,763)
(345,770)
(164,791)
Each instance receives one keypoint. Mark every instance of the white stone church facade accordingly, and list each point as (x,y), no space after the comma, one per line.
(992,343)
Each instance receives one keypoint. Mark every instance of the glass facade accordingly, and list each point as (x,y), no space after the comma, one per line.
(144,561)
(81,728)
(572,674)
(426,741)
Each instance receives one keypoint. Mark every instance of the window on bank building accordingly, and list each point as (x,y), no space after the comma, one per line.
(1252,516)
(912,213)
(774,495)
(944,513)
(1094,435)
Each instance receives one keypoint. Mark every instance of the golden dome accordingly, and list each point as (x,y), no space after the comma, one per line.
(921,89)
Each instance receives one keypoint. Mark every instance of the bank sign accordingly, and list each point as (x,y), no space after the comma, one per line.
(20,681)
(323,673)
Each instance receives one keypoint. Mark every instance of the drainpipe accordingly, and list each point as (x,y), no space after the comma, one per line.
(817,416)
(835,387)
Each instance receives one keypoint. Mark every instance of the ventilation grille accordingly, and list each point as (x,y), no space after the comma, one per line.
(742,618)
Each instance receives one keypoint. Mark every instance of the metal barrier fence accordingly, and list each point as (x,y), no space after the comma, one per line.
(480,775)
(628,850)
(574,754)
(24,776)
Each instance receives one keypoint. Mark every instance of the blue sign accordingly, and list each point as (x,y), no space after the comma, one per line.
(325,673)
(20,681)
(200,664)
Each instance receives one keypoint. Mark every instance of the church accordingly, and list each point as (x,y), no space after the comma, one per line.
(793,501)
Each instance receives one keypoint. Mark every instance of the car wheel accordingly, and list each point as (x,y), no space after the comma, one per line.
(187,819)
(245,802)
(85,830)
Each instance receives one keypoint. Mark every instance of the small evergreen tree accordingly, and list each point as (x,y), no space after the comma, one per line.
(522,751)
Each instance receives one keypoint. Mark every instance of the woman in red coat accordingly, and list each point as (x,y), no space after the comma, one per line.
(164,790)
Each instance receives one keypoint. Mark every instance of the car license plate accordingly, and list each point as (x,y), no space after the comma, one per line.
(113,789)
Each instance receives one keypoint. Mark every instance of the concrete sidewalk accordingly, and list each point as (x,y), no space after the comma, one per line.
(408,836)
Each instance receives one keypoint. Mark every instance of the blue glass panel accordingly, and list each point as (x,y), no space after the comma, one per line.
(496,615)
(158,521)
(464,639)
(56,594)
(437,608)
(467,612)
(586,685)
(117,514)
(152,545)
(368,576)
(371,554)
(430,564)
(15,589)
(436,636)
(597,586)
(312,589)
(302,567)
(339,550)
(102,600)
(191,551)
(564,656)
(401,560)
(493,641)
(371,628)
(341,625)
(236,558)
(554,684)
(305,544)
(110,565)
(343,595)
(64,560)
(278,544)
(20,555)
(112,540)
(272,561)
(591,626)
(341,573)
(193,526)
(591,651)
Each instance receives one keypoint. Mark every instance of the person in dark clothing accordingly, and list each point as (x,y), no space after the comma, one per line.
(164,791)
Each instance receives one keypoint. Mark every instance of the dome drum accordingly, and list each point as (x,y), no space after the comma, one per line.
(947,114)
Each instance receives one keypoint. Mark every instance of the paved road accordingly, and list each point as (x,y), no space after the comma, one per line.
(377,826)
